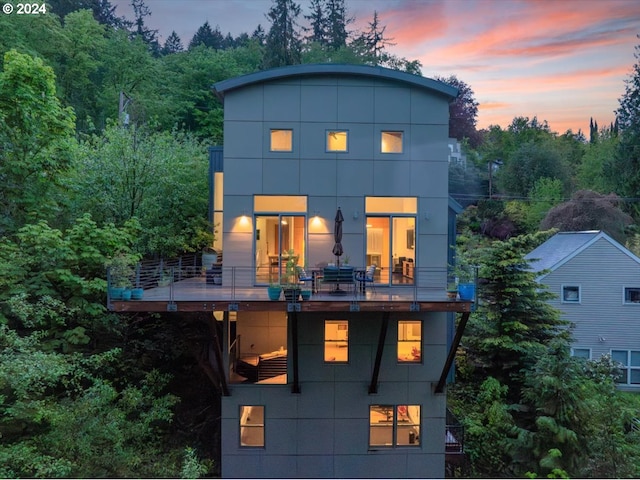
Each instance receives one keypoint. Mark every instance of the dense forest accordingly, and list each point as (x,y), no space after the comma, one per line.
(103,155)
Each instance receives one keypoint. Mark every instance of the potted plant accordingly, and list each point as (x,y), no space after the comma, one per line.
(291,285)
(120,270)
(274,290)
(466,282)
(452,290)
(305,293)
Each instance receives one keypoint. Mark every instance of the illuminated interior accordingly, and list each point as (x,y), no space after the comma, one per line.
(336,341)
(391,142)
(281,140)
(337,141)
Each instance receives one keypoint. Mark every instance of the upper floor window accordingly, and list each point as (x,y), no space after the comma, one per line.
(252,426)
(281,140)
(337,140)
(394,425)
(336,341)
(391,142)
(570,294)
(409,341)
(631,294)
(629,363)
(581,353)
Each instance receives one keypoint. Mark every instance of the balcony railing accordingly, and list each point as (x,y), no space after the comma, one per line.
(190,282)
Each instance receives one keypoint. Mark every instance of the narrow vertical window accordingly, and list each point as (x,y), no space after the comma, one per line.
(281,140)
(409,341)
(252,426)
(337,141)
(336,341)
(391,142)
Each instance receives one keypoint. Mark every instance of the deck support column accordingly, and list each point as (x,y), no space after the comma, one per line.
(293,321)
(373,386)
(452,352)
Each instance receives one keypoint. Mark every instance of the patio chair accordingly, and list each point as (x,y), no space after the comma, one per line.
(366,276)
(304,277)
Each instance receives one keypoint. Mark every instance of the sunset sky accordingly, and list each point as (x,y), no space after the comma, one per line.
(563,61)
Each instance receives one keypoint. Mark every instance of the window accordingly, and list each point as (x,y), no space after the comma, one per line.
(394,425)
(581,353)
(336,341)
(409,341)
(391,142)
(629,363)
(570,294)
(632,295)
(337,141)
(281,140)
(252,426)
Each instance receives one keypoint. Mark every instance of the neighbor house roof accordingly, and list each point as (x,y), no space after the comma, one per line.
(563,246)
(334,69)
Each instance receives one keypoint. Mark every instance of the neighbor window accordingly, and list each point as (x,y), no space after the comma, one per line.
(252,426)
(391,142)
(410,341)
(394,425)
(336,341)
(632,295)
(570,294)
(629,366)
(281,140)
(581,353)
(337,140)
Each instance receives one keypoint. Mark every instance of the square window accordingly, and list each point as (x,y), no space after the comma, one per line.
(336,341)
(570,294)
(394,425)
(632,295)
(337,140)
(409,341)
(252,426)
(281,140)
(391,142)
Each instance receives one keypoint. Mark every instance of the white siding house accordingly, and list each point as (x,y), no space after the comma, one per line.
(597,283)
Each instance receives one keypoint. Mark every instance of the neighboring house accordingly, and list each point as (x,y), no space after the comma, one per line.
(597,283)
(350,383)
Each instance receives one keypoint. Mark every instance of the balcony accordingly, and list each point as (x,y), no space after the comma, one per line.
(180,287)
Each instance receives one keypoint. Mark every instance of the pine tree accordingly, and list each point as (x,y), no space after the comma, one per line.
(372,43)
(283,42)
(148,36)
(259,35)
(624,170)
(207,36)
(173,44)
(317,23)
(336,24)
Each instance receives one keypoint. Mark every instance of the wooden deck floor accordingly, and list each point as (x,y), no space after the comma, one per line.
(194,294)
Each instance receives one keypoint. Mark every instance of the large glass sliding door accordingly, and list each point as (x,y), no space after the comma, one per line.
(280,234)
(391,238)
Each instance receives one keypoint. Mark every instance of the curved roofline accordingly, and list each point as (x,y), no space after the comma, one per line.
(220,88)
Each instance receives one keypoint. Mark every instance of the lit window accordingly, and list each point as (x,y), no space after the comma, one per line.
(336,341)
(570,294)
(632,295)
(252,426)
(281,140)
(409,341)
(629,366)
(391,142)
(337,141)
(394,425)
(581,353)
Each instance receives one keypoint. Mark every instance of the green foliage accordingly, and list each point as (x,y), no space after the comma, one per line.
(283,45)
(35,136)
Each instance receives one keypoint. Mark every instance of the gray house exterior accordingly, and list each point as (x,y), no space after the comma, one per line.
(597,283)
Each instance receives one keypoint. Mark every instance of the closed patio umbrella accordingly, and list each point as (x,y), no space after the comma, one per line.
(337,233)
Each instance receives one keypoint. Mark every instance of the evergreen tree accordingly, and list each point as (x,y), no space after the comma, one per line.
(283,42)
(173,44)
(148,36)
(317,23)
(336,24)
(625,169)
(373,41)
(207,36)
(259,35)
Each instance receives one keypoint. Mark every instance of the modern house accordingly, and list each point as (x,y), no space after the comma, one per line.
(597,283)
(334,168)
